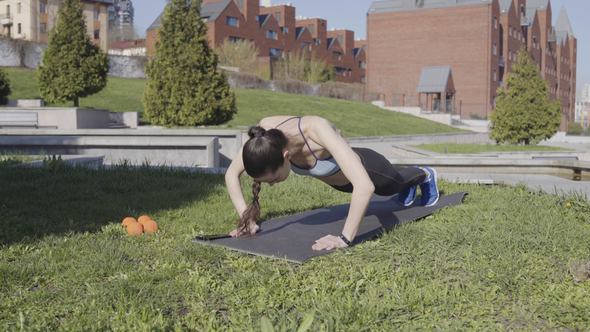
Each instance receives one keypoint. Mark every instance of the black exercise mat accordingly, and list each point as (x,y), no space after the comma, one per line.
(291,237)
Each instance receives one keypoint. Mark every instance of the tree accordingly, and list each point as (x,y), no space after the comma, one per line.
(184,87)
(524,114)
(242,54)
(4,87)
(72,65)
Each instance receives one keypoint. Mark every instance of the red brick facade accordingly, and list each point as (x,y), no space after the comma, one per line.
(479,41)
(275,31)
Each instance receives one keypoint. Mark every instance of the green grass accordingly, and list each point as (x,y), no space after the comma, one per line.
(506,259)
(125,93)
(353,118)
(481,148)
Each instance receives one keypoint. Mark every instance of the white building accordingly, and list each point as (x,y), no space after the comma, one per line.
(586,93)
(583,108)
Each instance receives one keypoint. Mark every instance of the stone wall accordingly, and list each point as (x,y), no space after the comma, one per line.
(19,53)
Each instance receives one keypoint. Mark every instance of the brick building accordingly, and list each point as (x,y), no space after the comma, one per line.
(33,19)
(450,55)
(275,31)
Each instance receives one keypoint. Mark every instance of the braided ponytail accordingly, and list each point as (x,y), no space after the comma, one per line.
(252,213)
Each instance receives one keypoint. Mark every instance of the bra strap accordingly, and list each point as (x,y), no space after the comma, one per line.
(306,143)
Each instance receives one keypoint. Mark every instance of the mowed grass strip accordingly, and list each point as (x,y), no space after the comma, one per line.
(506,259)
(352,118)
(482,148)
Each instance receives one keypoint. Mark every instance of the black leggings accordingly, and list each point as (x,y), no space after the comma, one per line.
(388,179)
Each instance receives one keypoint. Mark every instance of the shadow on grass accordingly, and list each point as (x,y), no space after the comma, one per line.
(56,200)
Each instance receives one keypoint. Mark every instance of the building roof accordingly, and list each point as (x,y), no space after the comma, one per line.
(386,6)
(563,23)
(434,79)
(561,36)
(210,10)
(262,19)
(357,51)
(538,4)
(299,32)
(505,5)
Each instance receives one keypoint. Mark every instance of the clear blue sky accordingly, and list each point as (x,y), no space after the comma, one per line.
(351,14)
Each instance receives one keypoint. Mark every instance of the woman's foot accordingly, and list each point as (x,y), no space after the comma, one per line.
(429,188)
(408,196)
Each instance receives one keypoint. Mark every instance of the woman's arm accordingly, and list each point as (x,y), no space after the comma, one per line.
(232,182)
(326,135)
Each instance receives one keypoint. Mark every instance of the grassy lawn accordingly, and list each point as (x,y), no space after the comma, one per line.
(481,148)
(507,259)
(353,118)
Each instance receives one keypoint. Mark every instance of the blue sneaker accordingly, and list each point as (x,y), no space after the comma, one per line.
(408,196)
(429,188)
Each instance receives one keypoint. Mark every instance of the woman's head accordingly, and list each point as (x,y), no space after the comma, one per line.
(266,159)
(265,155)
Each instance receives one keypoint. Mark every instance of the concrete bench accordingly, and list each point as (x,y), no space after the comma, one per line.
(155,150)
(19,119)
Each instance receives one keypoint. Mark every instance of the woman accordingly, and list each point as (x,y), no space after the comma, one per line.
(310,145)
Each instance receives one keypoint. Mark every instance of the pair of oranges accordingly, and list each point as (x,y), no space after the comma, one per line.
(140,225)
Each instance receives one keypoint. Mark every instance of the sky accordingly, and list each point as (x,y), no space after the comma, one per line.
(351,14)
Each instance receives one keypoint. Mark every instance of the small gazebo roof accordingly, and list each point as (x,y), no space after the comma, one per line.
(436,79)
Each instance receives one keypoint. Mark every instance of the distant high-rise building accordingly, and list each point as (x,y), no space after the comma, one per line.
(121,13)
(586,93)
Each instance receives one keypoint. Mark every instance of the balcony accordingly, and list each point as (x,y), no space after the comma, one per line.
(5,20)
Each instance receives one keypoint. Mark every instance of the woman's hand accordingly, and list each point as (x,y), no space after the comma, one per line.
(253,229)
(329,242)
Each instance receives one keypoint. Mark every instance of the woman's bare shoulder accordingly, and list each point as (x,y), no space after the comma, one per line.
(271,122)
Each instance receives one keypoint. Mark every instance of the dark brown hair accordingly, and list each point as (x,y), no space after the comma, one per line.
(262,153)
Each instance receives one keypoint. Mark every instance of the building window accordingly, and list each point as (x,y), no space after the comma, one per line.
(232,21)
(495,23)
(96,13)
(275,52)
(285,30)
(234,39)
(96,34)
(19,28)
(305,45)
(43,6)
(270,34)
(278,16)
(495,75)
(311,28)
(43,28)
(7,10)
(18,8)
(495,49)
(317,41)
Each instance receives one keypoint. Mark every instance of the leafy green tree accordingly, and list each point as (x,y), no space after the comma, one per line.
(4,87)
(72,65)
(524,114)
(184,87)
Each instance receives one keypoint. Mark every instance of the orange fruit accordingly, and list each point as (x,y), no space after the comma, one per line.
(128,220)
(134,229)
(143,217)
(149,226)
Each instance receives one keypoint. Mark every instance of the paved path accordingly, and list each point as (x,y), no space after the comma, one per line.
(546,183)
